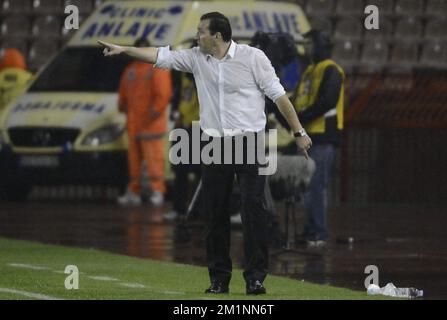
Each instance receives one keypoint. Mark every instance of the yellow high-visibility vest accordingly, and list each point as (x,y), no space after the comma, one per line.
(13,82)
(307,95)
(189,102)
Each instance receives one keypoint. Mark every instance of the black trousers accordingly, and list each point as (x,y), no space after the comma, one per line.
(217,183)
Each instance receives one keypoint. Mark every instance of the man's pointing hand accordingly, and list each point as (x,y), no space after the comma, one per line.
(111,49)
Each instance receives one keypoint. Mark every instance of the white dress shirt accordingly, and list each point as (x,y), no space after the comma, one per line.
(231,91)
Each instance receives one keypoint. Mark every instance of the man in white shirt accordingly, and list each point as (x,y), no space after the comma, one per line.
(232,81)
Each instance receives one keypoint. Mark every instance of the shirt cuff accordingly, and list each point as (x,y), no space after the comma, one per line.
(275,90)
(163,58)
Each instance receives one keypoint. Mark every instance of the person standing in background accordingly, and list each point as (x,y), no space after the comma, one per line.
(144,95)
(319,102)
(14,77)
(185,110)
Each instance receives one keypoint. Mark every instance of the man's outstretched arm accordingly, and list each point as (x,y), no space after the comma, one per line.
(148,54)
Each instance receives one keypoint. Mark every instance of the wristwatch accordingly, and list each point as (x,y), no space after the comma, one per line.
(300,133)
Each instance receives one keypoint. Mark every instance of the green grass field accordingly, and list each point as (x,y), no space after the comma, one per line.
(30,270)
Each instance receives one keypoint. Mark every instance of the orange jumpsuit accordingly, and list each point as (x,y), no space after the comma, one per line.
(144,94)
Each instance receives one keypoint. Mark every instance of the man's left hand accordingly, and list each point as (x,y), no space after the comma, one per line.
(304,143)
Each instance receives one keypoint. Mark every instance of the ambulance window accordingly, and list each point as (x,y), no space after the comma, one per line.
(81,69)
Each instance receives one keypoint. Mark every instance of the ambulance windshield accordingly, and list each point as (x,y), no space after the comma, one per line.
(81,69)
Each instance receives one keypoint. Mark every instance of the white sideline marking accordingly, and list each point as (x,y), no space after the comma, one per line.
(63,272)
(29,294)
(102,278)
(173,292)
(99,278)
(132,285)
(34,267)
(28,266)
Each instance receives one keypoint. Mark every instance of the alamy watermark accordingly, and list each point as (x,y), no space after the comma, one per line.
(234,147)
(373,277)
(72,280)
(72,20)
(372,20)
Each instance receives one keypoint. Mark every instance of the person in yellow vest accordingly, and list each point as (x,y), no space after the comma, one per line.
(185,110)
(319,104)
(13,77)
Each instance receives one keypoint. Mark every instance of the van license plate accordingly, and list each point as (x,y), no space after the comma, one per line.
(39,161)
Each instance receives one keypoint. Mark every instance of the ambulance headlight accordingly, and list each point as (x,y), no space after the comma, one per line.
(103,135)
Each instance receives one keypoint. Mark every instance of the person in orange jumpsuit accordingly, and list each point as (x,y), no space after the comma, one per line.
(144,95)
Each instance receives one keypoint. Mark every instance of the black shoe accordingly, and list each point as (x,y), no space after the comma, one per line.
(217,287)
(255,287)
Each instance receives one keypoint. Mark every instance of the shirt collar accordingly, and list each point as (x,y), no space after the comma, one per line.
(232,49)
(230,53)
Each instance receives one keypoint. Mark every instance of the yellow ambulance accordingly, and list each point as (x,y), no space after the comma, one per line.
(66,129)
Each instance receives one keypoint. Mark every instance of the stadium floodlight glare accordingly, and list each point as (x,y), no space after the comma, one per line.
(104,135)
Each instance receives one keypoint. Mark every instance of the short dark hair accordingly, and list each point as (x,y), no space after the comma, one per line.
(141,43)
(218,23)
(319,37)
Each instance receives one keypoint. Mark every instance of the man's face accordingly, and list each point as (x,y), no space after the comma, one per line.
(204,38)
